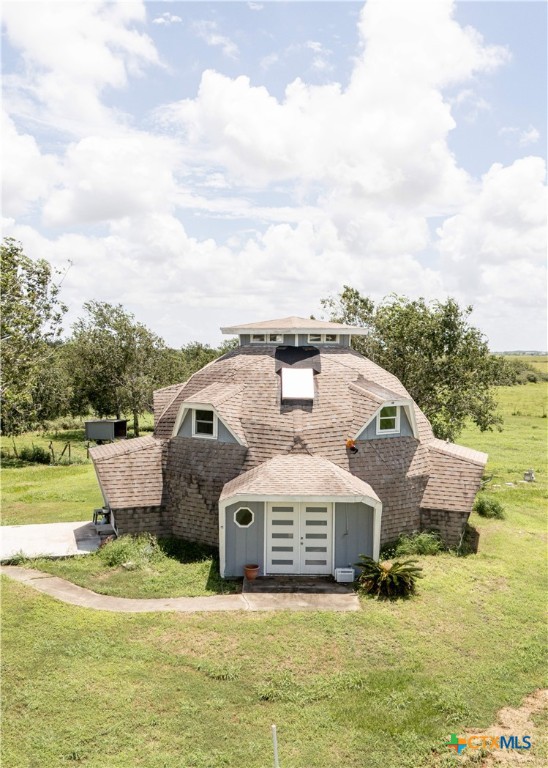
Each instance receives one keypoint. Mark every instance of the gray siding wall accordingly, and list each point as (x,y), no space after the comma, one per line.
(370,432)
(223,435)
(244,545)
(289,340)
(353,533)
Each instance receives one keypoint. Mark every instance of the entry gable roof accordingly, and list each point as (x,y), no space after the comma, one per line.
(298,475)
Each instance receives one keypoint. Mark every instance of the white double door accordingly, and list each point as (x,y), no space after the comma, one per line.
(299,538)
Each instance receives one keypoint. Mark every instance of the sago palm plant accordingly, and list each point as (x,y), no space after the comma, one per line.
(388,578)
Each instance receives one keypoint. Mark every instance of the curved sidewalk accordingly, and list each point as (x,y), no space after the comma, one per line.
(84,598)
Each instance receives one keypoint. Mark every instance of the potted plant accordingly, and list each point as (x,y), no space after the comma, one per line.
(251,571)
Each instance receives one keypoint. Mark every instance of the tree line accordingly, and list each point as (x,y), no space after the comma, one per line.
(111,363)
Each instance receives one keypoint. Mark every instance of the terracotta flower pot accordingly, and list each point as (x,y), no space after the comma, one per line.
(251,571)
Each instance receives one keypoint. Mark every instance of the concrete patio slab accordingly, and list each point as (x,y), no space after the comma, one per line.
(52,539)
(70,593)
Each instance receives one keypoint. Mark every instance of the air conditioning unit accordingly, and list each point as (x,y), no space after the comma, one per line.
(344,575)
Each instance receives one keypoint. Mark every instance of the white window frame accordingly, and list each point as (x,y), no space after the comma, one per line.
(396,429)
(323,338)
(252,516)
(195,432)
(266,338)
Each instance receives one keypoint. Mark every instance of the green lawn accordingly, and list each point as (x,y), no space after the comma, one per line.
(38,493)
(142,567)
(382,688)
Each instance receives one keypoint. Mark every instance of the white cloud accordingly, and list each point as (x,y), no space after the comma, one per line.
(208,31)
(524,136)
(529,136)
(167,19)
(72,51)
(255,6)
(110,176)
(269,60)
(27,174)
(494,250)
(333,183)
(383,137)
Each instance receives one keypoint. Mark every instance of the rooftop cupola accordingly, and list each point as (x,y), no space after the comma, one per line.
(294,332)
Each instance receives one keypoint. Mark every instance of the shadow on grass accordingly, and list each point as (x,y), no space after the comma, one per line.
(191,552)
(470,542)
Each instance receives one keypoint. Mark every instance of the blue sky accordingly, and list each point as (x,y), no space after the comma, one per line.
(206,164)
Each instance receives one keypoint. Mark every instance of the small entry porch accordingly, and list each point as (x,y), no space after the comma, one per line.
(321,585)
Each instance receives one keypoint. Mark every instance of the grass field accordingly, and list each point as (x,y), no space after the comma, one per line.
(382,688)
(540,362)
(38,493)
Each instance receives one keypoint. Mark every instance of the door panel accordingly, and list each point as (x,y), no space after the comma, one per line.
(299,538)
(282,531)
(316,538)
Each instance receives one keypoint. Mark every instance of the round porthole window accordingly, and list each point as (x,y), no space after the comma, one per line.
(243,517)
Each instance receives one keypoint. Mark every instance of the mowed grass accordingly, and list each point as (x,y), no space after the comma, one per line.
(38,493)
(56,493)
(384,687)
(143,567)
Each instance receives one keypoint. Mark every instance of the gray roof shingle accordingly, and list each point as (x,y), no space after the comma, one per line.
(298,475)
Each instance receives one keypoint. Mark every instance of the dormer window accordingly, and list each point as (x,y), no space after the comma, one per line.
(267,338)
(323,338)
(388,420)
(204,423)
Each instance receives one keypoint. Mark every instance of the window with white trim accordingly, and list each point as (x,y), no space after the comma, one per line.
(204,423)
(323,338)
(267,338)
(244,517)
(388,420)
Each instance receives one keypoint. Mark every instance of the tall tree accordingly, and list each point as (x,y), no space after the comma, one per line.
(30,324)
(441,359)
(116,362)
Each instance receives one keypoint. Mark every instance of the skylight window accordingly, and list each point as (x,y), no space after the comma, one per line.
(297,384)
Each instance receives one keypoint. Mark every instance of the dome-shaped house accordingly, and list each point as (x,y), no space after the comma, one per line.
(292,451)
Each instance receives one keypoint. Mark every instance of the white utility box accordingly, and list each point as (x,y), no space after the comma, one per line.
(344,575)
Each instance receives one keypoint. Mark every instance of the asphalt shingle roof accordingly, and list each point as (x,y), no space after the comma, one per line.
(131,472)
(298,475)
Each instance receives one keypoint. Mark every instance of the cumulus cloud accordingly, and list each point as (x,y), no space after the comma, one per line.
(383,137)
(108,177)
(332,183)
(494,250)
(72,52)
(27,174)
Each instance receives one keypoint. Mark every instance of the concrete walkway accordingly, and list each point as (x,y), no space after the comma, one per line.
(52,539)
(85,598)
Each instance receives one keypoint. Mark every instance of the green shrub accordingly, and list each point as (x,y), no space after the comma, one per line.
(419,543)
(388,578)
(488,507)
(133,552)
(36,455)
